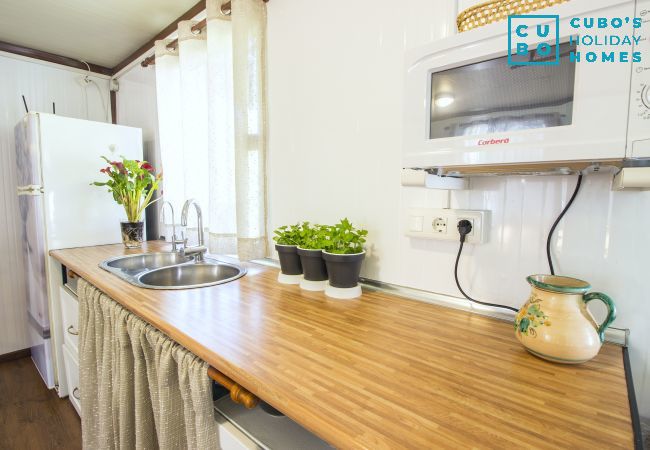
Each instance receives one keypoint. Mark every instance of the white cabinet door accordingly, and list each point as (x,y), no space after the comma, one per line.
(70,312)
(230,438)
(72,374)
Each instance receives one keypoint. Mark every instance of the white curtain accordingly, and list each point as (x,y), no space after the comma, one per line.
(192,59)
(249,68)
(212,113)
(168,95)
(221,145)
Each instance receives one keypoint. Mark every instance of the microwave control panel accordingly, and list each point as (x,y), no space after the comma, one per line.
(639,126)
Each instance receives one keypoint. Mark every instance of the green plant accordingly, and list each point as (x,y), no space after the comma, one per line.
(288,234)
(314,237)
(132,184)
(345,238)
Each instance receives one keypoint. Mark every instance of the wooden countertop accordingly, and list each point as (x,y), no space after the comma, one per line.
(381,371)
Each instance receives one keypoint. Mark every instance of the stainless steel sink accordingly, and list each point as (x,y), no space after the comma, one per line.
(171,270)
(146,261)
(190,275)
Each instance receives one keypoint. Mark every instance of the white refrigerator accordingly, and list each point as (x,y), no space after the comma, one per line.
(57,160)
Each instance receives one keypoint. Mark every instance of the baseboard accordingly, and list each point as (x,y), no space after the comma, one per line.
(18,354)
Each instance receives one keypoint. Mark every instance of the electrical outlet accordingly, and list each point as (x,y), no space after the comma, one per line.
(444,224)
(470,220)
(439,225)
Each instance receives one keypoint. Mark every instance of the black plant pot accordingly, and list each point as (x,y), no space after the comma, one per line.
(344,269)
(313,266)
(289,259)
(132,233)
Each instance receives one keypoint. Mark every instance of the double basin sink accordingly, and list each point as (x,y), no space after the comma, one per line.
(172,270)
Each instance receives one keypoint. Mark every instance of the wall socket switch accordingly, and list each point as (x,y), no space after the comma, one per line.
(443,224)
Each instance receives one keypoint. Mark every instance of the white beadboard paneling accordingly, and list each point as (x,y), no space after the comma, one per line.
(41,84)
(335,106)
(136,107)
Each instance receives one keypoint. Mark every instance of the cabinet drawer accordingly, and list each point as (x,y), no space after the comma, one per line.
(72,375)
(70,312)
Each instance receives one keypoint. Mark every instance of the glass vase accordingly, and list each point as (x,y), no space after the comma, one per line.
(132,233)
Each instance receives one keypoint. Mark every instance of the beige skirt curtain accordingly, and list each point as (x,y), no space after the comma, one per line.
(139,389)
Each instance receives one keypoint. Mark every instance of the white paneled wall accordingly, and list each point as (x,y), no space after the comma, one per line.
(136,107)
(41,84)
(335,93)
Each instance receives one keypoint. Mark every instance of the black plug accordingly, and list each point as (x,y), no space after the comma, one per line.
(464,228)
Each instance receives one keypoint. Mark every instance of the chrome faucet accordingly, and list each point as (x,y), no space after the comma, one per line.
(200,249)
(161,219)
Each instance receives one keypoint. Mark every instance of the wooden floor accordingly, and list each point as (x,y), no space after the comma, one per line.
(31,416)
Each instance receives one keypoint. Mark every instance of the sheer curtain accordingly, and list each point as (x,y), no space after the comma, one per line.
(249,68)
(221,133)
(168,95)
(192,59)
(212,114)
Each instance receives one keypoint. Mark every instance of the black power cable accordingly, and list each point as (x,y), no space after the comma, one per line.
(464,228)
(557,221)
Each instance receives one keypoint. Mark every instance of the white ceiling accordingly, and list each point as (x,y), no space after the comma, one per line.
(102,32)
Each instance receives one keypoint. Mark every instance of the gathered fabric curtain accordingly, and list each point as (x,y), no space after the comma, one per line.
(139,389)
(212,120)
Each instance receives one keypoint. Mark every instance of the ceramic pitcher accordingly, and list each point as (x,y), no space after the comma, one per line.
(555,324)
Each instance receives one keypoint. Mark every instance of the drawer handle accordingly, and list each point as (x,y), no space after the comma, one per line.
(72,331)
(76,394)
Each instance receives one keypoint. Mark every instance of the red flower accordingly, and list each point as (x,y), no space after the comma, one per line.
(119,166)
(148,167)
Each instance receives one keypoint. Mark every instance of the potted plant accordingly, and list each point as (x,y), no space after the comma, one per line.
(343,258)
(132,184)
(313,239)
(287,238)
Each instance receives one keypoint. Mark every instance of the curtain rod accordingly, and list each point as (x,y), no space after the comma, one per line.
(226,10)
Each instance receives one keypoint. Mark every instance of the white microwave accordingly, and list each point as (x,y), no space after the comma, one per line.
(467,110)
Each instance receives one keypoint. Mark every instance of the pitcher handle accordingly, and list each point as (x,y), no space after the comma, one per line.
(611,311)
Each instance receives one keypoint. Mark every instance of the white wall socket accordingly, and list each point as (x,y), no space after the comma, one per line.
(442,224)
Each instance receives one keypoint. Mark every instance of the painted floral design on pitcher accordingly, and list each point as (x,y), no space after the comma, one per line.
(531,316)
(574,336)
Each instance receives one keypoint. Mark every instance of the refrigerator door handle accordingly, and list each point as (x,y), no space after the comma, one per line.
(31,189)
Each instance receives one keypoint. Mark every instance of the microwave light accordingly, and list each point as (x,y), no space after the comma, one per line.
(444,100)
